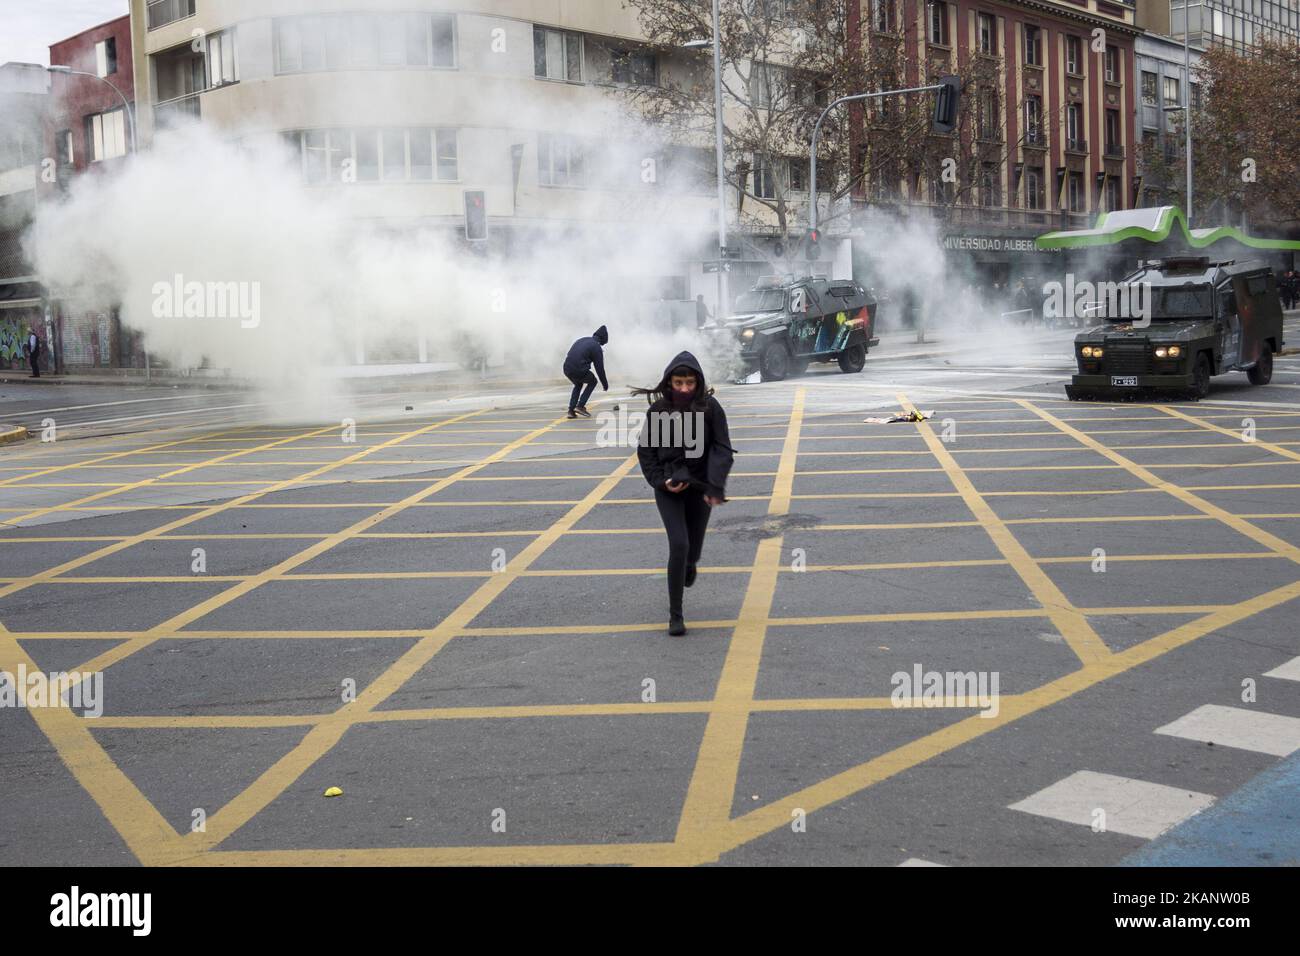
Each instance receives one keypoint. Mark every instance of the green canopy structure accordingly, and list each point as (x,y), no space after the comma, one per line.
(1154,224)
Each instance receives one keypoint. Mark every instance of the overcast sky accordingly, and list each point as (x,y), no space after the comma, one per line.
(28,27)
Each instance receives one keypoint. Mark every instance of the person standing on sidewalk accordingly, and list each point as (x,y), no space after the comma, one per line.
(583,354)
(33,349)
(686,463)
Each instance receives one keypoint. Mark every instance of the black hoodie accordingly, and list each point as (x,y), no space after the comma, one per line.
(585,353)
(662,449)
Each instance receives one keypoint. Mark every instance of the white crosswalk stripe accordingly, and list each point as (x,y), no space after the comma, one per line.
(1237,727)
(1119,804)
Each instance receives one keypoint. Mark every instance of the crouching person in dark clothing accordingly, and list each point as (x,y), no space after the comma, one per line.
(583,354)
(686,455)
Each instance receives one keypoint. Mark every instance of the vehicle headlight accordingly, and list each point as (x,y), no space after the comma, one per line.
(1162,352)
(1175,351)
(746,335)
(1092,351)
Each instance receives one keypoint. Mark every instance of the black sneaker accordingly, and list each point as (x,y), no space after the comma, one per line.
(572,414)
(676,626)
(690,574)
(582,410)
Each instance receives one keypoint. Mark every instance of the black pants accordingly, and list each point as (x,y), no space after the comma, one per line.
(586,379)
(685,515)
(34,359)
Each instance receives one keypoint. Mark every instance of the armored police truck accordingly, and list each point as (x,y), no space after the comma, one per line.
(784,323)
(1200,318)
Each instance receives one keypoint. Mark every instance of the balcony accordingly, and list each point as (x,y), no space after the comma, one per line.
(1076,145)
(1114,151)
(180,109)
(1035,138)
(163,12)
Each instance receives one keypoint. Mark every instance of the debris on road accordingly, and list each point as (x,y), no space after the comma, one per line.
(913,416)
(334,792)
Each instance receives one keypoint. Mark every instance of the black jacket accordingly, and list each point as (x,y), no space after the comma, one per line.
(583,354)
(662,448)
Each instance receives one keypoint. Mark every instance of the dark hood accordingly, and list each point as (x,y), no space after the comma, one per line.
(691,362)
(601,335)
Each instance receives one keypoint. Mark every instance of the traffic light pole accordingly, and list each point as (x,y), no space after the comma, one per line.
(812,152)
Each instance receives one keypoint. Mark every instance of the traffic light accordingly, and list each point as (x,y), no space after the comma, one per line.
(475,215)
(945,105)
(812,244)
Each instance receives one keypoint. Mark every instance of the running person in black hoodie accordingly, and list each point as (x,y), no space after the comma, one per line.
(687,464)
(583,354)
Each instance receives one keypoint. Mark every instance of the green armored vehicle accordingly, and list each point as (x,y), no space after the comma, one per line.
(1200,318)
(784,323)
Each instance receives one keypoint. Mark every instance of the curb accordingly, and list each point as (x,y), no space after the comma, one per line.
(10,434)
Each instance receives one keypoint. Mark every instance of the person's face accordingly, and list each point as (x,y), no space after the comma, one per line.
(683,384)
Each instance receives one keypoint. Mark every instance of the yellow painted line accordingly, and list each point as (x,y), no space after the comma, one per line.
(142,828)
(109,457)
(845,784)
(1073,625)
(1266,446)
(1185,495)
(549,854)
(322,737)
(612,629)
(146,482)
(713,781)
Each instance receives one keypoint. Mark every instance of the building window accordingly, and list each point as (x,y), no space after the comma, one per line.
(1034,120)
(374,155)
(63,147)
(1110,62)
(221,58)
(364,42)
(1077,199)
(1033,45)
(1114,200)
(987,32)
(1196,96)
(764,178)
(560,161)
(990,126)
(163,12)
(1034,187)
(990,185)
(1074,56)
(106,57)
(106,135)
(1074,127)
(767,86)
(1112,133)
(557,55)
(1173,92)
(633,68)
(1148,89)
(882,16)
(798,175)
(939,23)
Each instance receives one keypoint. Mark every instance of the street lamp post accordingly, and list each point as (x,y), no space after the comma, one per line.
(719,149)
(130,115)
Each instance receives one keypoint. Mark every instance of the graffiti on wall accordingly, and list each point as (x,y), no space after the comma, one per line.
(11,341)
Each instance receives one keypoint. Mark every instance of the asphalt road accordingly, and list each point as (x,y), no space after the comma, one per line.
(459,620)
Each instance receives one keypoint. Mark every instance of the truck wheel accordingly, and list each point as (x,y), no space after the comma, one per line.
(1201,377)
(775,363)
(798,365)
(853,358)
(1262,373)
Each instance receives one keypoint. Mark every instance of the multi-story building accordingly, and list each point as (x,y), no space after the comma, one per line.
(1052,135)
(24,90)
(1237,24)
(1160,93)
(87,131)
(410,104)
